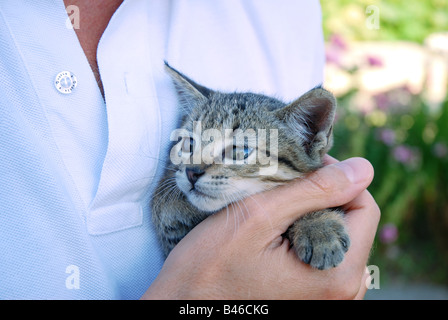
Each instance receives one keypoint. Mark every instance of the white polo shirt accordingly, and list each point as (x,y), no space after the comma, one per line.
(77,172)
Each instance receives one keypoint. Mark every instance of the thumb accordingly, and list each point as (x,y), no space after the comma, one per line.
(331,186)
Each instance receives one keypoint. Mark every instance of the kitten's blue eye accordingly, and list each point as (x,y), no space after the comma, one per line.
(247,151)
(241,153)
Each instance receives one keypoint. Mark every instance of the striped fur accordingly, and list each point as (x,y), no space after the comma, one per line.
(189,192)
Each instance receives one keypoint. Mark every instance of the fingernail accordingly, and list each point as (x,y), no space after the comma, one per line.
(356,170)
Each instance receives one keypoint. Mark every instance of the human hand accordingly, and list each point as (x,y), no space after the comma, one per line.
(239,253)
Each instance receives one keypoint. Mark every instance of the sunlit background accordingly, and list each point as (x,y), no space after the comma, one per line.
(387,62)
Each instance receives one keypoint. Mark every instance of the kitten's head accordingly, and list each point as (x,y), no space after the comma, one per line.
(232,145)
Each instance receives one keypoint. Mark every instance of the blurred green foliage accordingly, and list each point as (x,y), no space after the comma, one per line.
(404,138)
(408,147)
(399,19)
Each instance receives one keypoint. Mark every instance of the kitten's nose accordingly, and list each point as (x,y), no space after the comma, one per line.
(193,174)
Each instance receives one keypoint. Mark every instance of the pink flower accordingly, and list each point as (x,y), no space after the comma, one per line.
(382,101)
(332,56)
(403,154)
(440,150)
(387,136)
(408,156)
(335,49)
(374,61)
(388,233)
(338,42)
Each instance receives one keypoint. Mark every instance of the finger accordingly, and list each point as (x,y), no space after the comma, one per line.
(362,217)
(331,186)
(327,160)
(362,220)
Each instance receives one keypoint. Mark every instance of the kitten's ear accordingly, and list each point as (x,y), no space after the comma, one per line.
(190,93)
(311,118)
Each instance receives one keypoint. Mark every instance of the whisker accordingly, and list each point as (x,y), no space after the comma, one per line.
(233,211)
(167,194)
(171,182)
(227,213)
(246,194)
(241,210)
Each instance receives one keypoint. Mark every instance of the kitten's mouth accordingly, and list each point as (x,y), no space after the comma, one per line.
(205,202)
(196,192)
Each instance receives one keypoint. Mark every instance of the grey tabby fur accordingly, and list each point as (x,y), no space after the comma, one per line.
(189,193)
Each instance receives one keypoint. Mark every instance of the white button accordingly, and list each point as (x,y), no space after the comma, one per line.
(65,82)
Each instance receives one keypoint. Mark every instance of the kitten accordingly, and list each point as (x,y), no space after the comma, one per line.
(208,173)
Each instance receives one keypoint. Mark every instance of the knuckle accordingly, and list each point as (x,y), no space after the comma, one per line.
(375,209)
(349,291)
(344,289)
(249,214)
(319,182)
(321,186)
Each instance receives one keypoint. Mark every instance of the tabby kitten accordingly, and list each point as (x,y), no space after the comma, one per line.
(195,187)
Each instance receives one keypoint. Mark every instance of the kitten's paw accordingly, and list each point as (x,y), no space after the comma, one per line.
(320,239)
